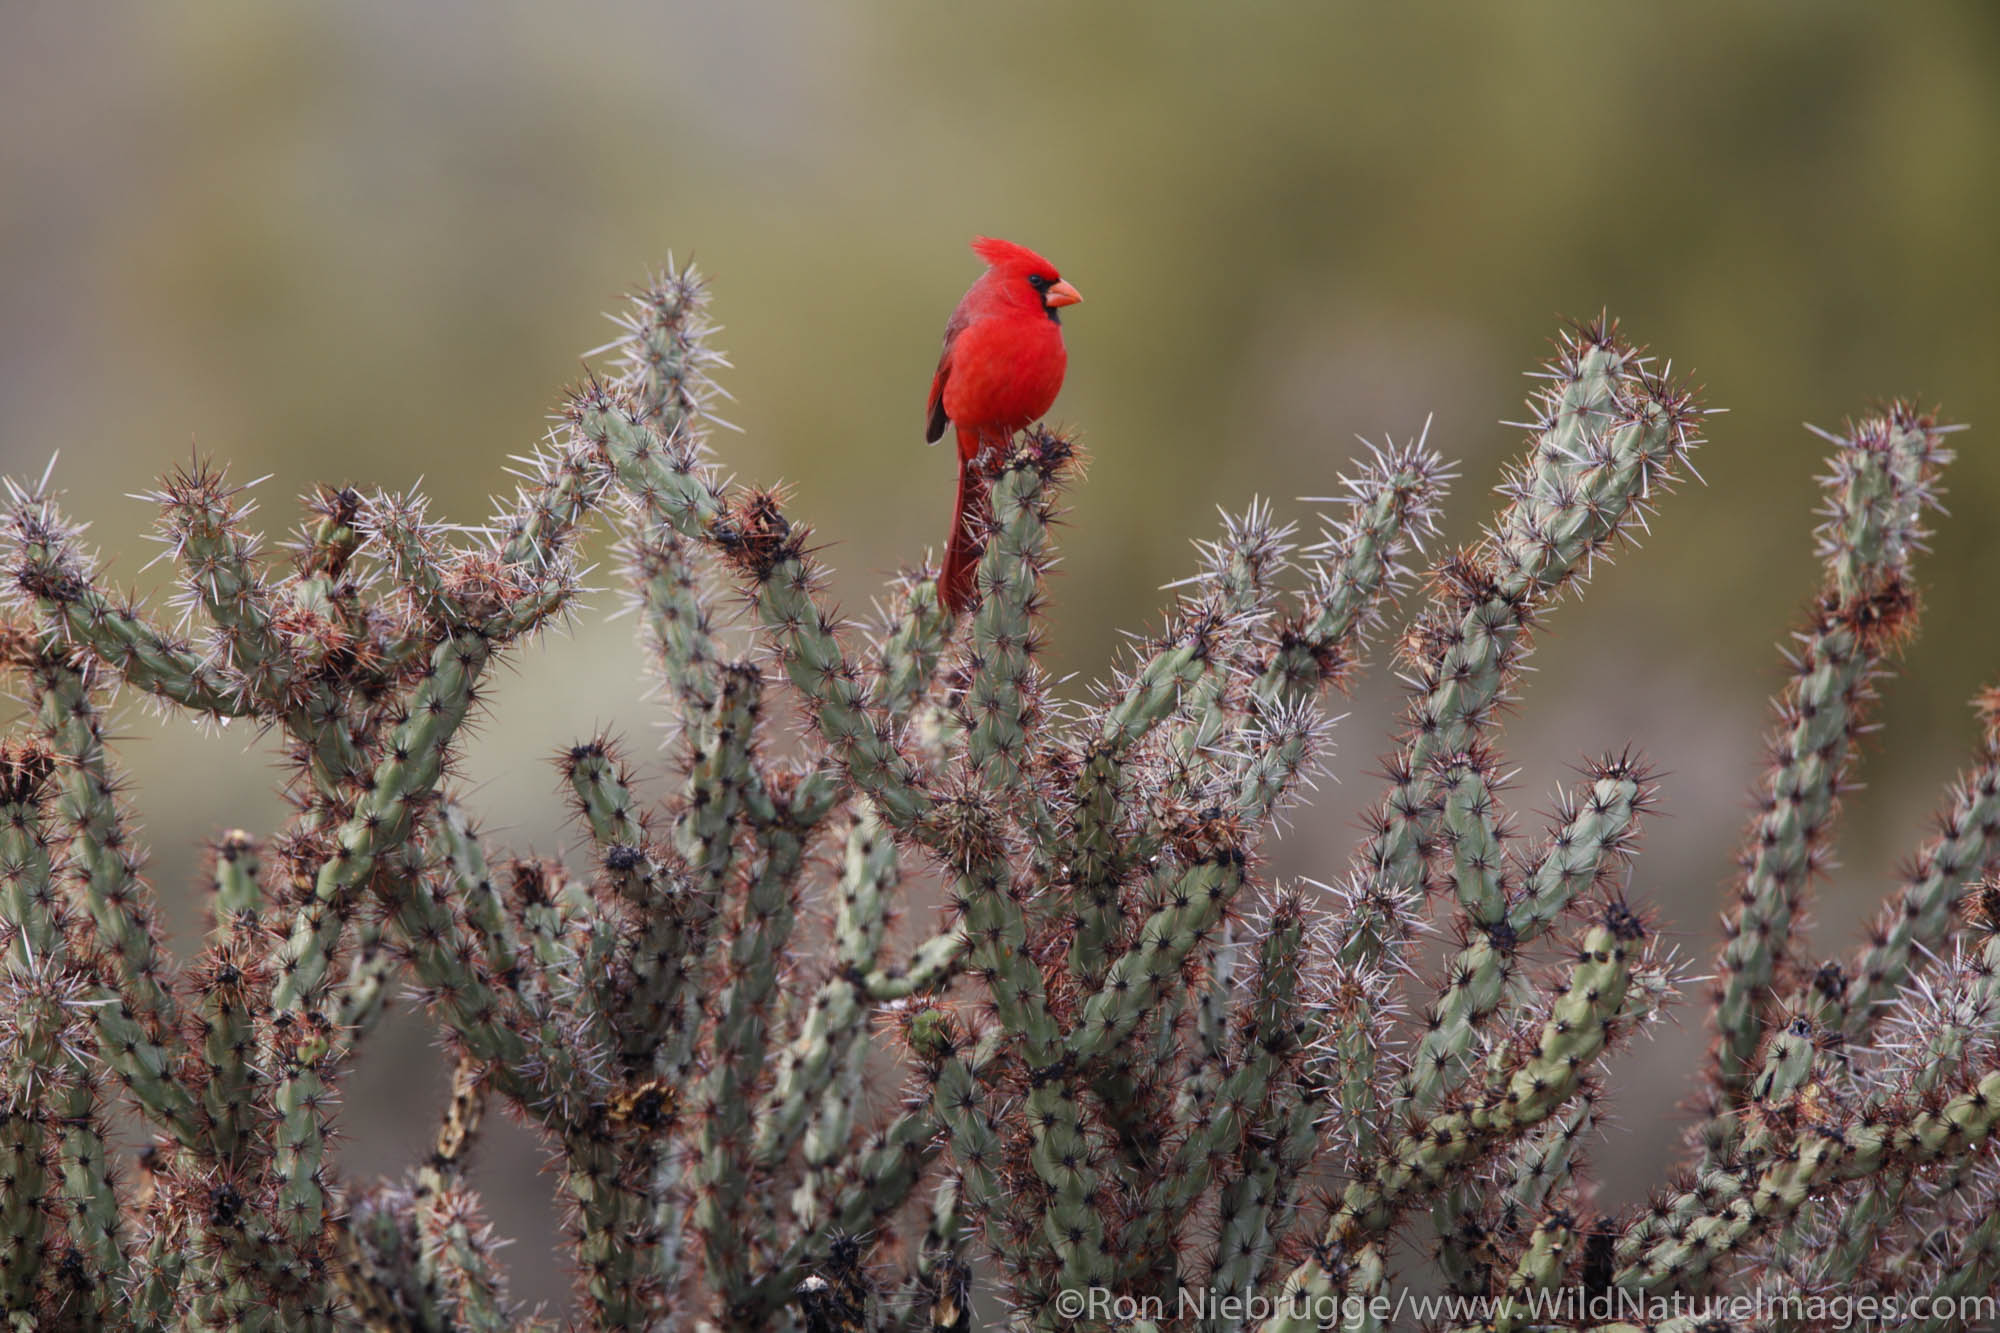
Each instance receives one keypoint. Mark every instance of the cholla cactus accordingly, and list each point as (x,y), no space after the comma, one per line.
(1144,1086)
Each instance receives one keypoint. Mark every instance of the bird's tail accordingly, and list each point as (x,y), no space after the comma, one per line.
(968,538)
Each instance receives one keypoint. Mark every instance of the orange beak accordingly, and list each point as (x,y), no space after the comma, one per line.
(1061,294)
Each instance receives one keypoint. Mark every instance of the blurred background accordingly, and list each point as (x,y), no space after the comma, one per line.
(368,243)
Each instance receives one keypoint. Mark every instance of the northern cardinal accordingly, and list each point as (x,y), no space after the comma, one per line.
(1002,367)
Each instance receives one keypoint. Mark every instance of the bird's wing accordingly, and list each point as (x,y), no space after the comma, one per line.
(935,418)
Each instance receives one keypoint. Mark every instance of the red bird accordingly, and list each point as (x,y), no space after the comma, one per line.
(1002,367)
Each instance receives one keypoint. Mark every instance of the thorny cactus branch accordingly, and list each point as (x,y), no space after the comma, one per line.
(1128,1066)
(104,863)
(830,1047)
(1264,1054)
(58,580)
(35,977)
(912,644)
(1883,479)
(1735,1208)
(1584,849)
(1607,433)
(1002,707)
(1944,1028)
(666,366)
(1916,920)
(1588,1014)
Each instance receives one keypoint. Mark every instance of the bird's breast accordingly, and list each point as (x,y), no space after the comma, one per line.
(1005,372)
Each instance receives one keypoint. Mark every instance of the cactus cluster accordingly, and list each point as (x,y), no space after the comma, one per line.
(1142,1085)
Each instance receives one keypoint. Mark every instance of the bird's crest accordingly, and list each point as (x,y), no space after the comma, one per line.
(1006,254)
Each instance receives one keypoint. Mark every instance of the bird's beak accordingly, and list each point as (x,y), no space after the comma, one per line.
(1061,294)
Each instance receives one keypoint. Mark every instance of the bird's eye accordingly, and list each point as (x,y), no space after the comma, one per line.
(1038,282)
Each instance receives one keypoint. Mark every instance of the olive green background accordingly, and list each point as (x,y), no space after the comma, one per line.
(367,242)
